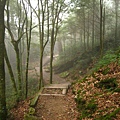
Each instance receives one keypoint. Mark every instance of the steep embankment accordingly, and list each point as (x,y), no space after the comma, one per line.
(98,95)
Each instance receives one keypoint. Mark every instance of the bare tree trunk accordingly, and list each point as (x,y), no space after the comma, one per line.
(93,25)
(41,12)
(11,73)
(28,43)
(88,32)
(55,18)
(104,25)
(84,28)
(101,28)
(51,54)
(3,111)
(116,20)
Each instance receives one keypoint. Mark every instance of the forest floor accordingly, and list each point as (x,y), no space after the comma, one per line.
(49,107)
(56,107)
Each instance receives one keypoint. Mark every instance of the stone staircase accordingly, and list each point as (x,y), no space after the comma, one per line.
(60,89)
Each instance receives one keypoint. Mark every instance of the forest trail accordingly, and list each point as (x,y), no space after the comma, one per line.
(46,74)
(56,107)
(56,101)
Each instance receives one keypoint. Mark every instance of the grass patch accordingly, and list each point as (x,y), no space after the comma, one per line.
(109,57)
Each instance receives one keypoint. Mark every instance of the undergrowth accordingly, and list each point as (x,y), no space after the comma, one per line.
(86,108)
(103,83)
(108,58)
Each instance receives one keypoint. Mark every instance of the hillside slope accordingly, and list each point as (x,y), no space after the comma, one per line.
(98,94)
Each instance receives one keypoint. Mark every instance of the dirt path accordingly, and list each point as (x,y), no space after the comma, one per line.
(56,107)
(49,107)
(46,75)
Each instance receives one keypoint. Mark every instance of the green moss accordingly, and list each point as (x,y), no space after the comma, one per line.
(86,109)
(91,105)
(80,102)
(109,83)
(33,102)
(31,111)
(109,57)
(64,74)
(30,117)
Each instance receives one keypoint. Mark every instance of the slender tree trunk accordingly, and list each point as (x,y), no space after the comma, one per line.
(84,29)
(3,111)
(52,41)
(116,21)
(104,25)
(11,73)
(41,70)
(28,43)
(93,25)
(18,71)
(88,34)
(101,28)
(51,54)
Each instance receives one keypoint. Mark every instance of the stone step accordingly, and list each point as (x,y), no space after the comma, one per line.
(52,95)
(62,86)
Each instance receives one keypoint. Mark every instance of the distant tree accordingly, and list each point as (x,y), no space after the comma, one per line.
(101,28)
(57,7)
(28,35)
(93,24)
(19,32)
(116,2)
(42,17)
(3,112)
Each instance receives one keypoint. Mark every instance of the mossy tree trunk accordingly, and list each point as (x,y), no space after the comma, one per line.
(3,111)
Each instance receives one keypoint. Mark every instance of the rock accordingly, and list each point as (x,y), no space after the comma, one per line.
(64,91)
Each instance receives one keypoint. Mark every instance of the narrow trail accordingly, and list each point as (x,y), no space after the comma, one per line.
(46,75)
(55,106)
(48,107)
